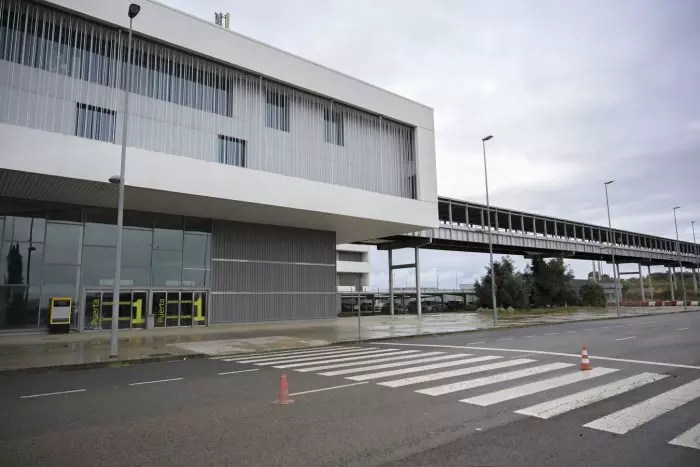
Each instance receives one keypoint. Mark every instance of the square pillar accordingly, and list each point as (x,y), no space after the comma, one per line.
(391,283)
(641,282)
(418,299)
(651,287)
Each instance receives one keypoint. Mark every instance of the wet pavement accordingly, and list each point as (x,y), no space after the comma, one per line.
(41,350)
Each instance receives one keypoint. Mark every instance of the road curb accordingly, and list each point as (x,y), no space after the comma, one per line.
(105,364)
(170,358)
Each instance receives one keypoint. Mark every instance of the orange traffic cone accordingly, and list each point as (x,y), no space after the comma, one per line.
(585,363)
(283,397)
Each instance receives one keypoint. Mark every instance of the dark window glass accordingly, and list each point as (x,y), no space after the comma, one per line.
(193,277)
(19,307)
(232,151)
(138,219)
(19,261)
(136,248)
(100,234)
(333,123)
(62,243)
(167,258)
(95,122)
(167,276)
(135,276)
(413,189)
(196,224)
(68,215)
(196,250)
(277,111)
(23,229)
(98,265)
(350,256)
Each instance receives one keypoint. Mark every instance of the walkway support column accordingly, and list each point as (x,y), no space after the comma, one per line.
(641,282)
(651,286)
(695,281)
(418,299)
(670,284)
(391,283)
(618,286)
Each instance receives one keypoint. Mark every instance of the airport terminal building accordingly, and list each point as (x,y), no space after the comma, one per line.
(246,166)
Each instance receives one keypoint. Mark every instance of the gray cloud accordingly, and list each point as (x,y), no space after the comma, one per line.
(574,92)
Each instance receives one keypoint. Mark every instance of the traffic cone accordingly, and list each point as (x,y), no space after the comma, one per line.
(283,397)
(585,363)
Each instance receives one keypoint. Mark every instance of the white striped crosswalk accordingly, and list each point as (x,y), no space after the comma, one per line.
(423,368)
(636,415)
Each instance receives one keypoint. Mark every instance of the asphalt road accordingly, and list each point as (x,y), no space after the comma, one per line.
(434,401)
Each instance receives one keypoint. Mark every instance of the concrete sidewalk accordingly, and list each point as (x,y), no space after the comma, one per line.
(37,350)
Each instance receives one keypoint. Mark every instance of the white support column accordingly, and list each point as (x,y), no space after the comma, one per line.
(675,280)
(618,288)
(418,299)
(391,283)
(641,282)
(695,280)
(670,284)
(651,287)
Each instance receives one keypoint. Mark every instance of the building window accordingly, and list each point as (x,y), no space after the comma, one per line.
(231,151)
(413,189)
(95,122)
(354,256)
(333,123)
(277,111)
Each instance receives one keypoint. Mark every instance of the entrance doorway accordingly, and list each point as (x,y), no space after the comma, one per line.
(140,309)
(179,308)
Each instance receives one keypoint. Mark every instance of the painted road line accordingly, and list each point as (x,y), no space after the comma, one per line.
(308,353)
(499,378)
(155,381)
(236,372)
(689,439)
(506,339)
(682,329)
(537,386)
(544,352)
(626,338)
(416,369)
(575,401)
(589,329)
(636,415)
(377,360)
(570,332)
(31,396)
(365,358)
(552,334)
(347,353)
(526,337)
(292,357)
(286,352)
(450,374)
(365,369)
(327,389)
(474,343)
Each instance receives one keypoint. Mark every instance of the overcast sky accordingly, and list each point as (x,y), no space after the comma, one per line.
(574,93)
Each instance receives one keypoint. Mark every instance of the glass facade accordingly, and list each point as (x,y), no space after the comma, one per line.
(55,252)
(66,74)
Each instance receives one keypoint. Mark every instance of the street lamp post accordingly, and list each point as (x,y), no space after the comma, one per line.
(680,261)
(612,249)
(697,261)
(488,221)
(113,343)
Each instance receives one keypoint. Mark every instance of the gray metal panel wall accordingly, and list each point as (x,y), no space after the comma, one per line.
(270,273)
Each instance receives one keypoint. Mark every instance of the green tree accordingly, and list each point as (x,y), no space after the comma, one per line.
(550,283)
(511,286)
(592,294)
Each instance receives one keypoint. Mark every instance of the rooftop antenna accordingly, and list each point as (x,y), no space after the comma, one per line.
(222,19)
